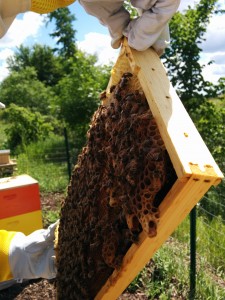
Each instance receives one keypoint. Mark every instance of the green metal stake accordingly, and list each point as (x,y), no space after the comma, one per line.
(192,254)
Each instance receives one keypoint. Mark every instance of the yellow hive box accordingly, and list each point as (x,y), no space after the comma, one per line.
(20,207)
(25,223)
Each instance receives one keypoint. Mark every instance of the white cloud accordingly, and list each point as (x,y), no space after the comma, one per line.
(184,4)
(213,47)
(215,36)
(3,71)
(21,29)
(4,54)
(99,44)
(214,72)
(219,58)
(214,50)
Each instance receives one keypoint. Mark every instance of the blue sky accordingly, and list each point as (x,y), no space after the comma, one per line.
(93,38)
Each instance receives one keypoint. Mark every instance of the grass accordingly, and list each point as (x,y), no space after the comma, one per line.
(169,276)
(49,217)
(210,240)
(51,177)
(46,162)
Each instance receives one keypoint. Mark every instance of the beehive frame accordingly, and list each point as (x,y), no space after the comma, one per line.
(194,165)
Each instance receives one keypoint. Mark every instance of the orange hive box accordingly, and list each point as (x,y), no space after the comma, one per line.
(20,208)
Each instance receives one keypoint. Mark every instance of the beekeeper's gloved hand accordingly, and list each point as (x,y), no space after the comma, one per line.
(149,29)
(33,256)
(9,9)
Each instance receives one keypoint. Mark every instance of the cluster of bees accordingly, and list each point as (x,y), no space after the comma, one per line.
(121,177)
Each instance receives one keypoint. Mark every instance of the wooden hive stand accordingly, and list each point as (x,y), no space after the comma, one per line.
(194,165)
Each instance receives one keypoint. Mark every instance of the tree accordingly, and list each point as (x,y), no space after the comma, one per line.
(25,126)
(210,120)
(182,57)
(49,68)
(64,33)
(220,88)
(24,89)
(78,92)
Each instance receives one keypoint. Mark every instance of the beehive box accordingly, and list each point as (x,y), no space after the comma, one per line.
(4,157)
(111,232)
(20,208)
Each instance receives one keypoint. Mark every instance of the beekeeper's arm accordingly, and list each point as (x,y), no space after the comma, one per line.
(27,257)
(9,9)
(149,29)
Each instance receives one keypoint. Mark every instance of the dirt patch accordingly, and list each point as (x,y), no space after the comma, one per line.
(45,289)
(51,201)
(32,290)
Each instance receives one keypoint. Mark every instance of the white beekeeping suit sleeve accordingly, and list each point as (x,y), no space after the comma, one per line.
(33,256)
(9,9)
(149,29)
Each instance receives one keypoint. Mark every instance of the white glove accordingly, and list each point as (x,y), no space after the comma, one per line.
(33,256)
(9,9)
(151,28)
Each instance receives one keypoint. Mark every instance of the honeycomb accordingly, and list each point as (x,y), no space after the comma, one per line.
(121,177)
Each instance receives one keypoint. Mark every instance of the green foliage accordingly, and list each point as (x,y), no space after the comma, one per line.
(212,201)
(49,217)
(167,275)
(182,58)
(220,89)
(24,89)
(48,67)
(78,92)
(39,160)
(210,233)
(210,241)
(3,127)
(51,177)
(210,121)
(64,32)
(45,149)
(25,126)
